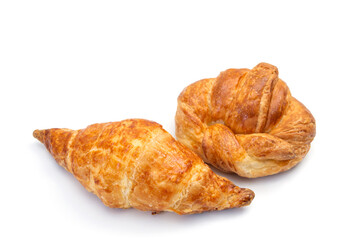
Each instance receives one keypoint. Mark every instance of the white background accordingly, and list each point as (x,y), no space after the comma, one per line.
(74,63)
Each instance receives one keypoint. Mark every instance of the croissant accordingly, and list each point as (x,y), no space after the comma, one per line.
(245,121)
(136,163)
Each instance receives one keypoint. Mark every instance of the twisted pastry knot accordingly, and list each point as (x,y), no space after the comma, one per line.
(245,121)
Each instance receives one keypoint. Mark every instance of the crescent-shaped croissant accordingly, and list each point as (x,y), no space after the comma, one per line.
(245,121)
(136,163)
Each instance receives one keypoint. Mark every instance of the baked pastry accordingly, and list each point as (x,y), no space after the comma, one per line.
(136,163)
(245,121)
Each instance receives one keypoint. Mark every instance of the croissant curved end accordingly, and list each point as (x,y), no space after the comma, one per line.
(246,197)
(39,135)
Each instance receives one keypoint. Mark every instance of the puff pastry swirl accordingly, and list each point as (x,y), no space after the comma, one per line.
(136,163)
(245,121)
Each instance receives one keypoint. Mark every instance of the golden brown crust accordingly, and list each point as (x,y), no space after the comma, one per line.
(136,163)
(245,121)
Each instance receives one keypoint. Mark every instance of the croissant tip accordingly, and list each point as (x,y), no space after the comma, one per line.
(39,135)
(247,196)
